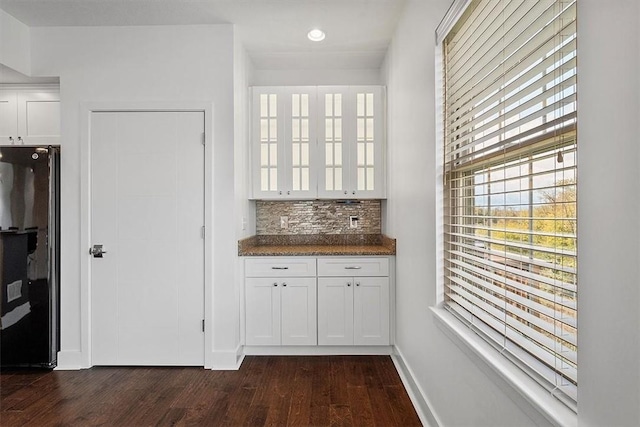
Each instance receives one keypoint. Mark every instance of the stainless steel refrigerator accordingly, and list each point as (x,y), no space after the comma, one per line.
(29,256)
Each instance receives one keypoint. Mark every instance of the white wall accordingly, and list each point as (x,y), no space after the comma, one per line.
(245,215)
(458,391)
(319,77)
(15,44)
(135,64)
(608,224)
(608,213)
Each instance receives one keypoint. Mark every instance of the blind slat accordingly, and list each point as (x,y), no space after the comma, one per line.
(505,58)
(525,233)
(466,143)
(479,96)
(520,273)
(511,106)
(537,351)
(521,259)
(515,28)
(516,245)
(482,274)
(497,308)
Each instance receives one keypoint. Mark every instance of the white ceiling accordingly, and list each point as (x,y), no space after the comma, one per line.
(272,31)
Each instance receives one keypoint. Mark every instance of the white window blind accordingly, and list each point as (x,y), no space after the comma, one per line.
(510,182)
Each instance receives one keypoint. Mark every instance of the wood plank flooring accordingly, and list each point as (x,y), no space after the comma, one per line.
(266,391)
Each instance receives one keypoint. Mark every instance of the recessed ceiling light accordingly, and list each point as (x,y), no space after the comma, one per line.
(316,35)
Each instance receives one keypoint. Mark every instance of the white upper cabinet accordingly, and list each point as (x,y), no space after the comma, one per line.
(29,117)
(351,142)
(283,140)
(8,117)
(318,142)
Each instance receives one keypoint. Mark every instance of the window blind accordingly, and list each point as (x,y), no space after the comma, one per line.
(510,177)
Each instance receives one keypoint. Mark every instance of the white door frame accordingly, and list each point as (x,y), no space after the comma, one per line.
(86,110)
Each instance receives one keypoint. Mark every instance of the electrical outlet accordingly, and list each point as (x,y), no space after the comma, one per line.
(353,221)
(284,222)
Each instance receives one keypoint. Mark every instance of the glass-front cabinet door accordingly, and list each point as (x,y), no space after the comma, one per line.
(351,142)
(283,140)
(318,142)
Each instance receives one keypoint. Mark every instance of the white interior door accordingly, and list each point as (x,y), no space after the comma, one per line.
(147,209)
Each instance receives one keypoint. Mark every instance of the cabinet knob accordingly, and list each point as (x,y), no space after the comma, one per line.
(288,192)
(10,140)
(280,193)
(275,284)
(357,283)
(354,192)
(284,284)
(348,284)
(345,191)
(20,140)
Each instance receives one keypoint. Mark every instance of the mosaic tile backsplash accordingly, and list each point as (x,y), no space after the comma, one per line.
(317,217)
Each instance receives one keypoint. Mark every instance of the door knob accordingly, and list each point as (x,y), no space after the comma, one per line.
(97,251)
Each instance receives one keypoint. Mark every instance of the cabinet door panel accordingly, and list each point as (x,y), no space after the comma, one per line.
(351,141)
(267,137)
(300,142)
(39,117)
(284,143)
(367,157)
(262,297)
(335,311)
(298,305)
(8,117)
(335,134)
(371,311)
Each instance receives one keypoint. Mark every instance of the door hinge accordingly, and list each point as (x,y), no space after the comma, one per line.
(202,232)
(203,138)
(202,325)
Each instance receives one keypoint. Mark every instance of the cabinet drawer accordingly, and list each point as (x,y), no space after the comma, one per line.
(353,266)
(280,267)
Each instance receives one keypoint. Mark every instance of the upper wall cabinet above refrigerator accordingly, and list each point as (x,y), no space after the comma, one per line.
(323,142)
(29,117)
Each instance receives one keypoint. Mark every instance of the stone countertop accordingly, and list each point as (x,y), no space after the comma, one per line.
(317,245)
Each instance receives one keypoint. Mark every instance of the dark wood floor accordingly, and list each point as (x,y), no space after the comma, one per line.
(267,390)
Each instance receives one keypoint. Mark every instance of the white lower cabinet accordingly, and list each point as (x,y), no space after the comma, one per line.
(353,311)
(346,303)
(281,311)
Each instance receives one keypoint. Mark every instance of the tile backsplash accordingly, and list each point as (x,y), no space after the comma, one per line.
(317,217)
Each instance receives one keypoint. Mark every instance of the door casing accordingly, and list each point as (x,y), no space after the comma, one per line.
(85,224)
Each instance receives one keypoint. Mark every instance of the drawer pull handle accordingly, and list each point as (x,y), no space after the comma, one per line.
(279,268)
(353,267)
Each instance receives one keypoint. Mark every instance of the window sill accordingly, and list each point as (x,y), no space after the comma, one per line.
(501,369)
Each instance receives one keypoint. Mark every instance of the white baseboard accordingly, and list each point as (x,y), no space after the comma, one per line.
(226,360)
(420,401)
(317,350)
(69,361)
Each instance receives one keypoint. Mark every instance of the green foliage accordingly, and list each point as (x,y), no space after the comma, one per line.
(549,225)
